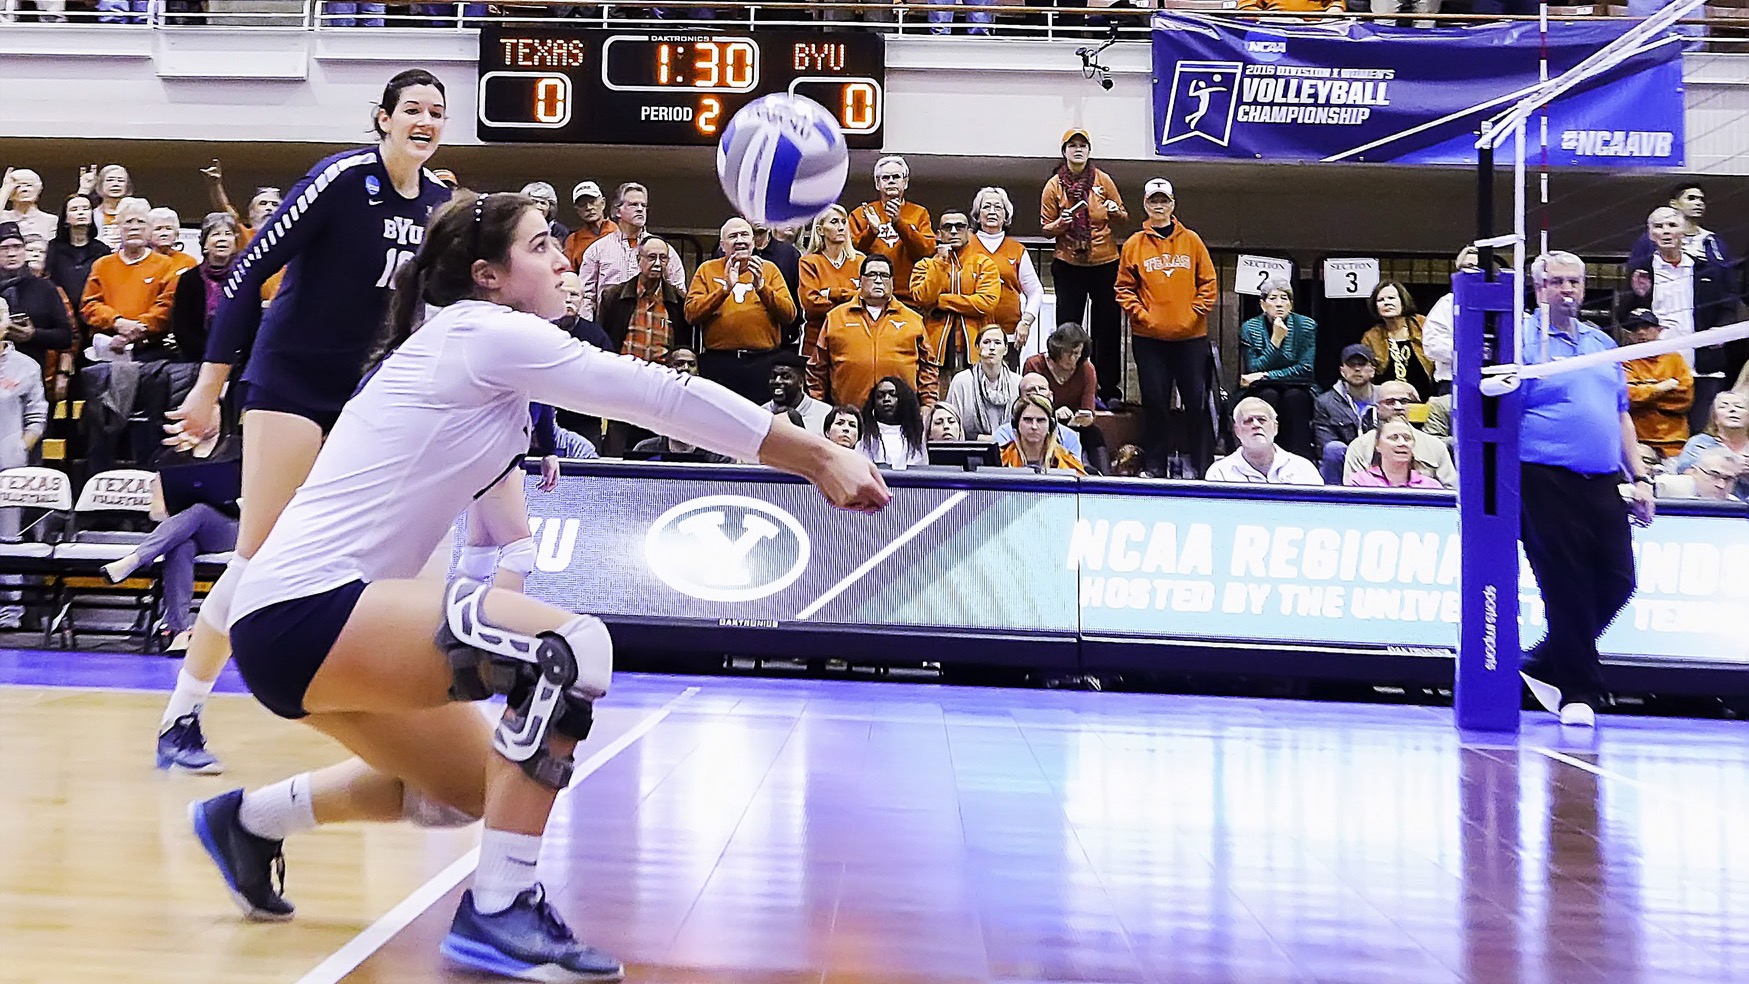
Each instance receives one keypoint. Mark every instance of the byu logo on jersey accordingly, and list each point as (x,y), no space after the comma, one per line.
(727,548)
(1204,101)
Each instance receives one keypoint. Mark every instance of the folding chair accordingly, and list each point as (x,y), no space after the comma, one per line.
(110,519)
(44,497)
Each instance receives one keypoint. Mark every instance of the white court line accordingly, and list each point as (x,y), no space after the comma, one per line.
(880,555)
(360,948)
(1585,766)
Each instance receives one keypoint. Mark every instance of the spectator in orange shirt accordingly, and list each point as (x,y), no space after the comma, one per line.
(956,290)
(1035,438)
(740,305)
(127,300)
(592,220)
(1023,294)
(1166,284)
(871,337)
(828,272)
(262,204)
(1079,205)
(166,238)
(1660,387)
(893,227)
(1305,6)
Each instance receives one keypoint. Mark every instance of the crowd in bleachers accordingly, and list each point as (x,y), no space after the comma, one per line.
(892,327)
(973,17)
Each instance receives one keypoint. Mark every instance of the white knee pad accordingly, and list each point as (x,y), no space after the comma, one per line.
(215,610)
(592,647)
(423,811)
(518,557)
(476,563)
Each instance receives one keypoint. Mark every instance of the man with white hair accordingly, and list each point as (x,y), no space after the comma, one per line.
(892,227)
(1576,442)
(1259,460)
(127,298)
(741,306)
(1688,294)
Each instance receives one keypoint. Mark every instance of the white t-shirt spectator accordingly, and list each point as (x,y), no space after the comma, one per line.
(1437,337)
(1287,469)
(1673,299)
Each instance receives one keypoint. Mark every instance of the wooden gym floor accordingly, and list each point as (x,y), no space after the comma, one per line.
(736,830)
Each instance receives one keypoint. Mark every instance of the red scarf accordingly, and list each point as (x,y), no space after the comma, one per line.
(1076,188)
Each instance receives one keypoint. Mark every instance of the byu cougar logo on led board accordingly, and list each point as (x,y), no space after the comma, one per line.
(727,548)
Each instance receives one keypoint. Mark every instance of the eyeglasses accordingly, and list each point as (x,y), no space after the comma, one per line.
(1718,475)
(1395,400)
(874,275)
(954,226)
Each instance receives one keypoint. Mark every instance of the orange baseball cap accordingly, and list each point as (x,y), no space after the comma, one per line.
(1073,132)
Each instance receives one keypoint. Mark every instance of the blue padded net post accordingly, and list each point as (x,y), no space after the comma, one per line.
(1487,690)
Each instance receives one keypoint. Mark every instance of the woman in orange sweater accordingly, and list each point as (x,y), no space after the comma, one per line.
(1023,295)
(1166,284)
(1035,438)
(1079,205)
(828,272)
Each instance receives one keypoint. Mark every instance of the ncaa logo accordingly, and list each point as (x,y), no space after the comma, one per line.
(727,548)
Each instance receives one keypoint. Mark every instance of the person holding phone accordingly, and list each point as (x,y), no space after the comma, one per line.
(1079,205)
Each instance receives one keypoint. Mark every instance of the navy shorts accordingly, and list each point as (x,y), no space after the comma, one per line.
(257,398)
(279,648)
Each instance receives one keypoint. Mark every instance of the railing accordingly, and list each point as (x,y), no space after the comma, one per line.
(1726,26)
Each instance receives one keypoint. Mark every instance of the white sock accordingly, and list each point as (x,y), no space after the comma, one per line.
(188,698)
(507,869)
(280,810)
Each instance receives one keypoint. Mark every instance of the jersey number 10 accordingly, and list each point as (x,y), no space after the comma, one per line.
(392,261)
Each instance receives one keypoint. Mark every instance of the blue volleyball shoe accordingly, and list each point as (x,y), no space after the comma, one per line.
(527,941)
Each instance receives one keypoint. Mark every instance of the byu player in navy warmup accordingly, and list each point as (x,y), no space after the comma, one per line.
(340,234)
(334,627)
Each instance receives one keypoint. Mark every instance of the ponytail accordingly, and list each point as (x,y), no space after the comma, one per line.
(465,229)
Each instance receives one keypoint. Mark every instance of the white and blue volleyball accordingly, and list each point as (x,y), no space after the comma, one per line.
(782,160)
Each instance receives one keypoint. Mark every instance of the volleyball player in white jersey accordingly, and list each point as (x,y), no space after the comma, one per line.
(330,625)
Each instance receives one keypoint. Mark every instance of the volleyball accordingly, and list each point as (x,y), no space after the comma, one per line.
(782,160)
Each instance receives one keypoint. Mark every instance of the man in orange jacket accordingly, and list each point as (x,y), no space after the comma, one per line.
(957,290)
(892,227)
(1660,387)
(1166,284)
(869,338)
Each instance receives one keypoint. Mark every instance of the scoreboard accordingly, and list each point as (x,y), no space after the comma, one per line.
(557,84)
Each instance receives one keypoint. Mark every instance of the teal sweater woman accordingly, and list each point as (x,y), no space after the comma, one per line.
(1276,349)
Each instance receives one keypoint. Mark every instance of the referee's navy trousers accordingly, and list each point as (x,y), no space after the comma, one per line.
(1576,536)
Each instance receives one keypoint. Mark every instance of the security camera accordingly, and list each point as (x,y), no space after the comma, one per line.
(1090,66)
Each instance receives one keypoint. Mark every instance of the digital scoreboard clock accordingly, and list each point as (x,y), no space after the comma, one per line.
(545,84)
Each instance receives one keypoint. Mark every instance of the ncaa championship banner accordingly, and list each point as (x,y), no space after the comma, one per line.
(1354,574)
(1404,95)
